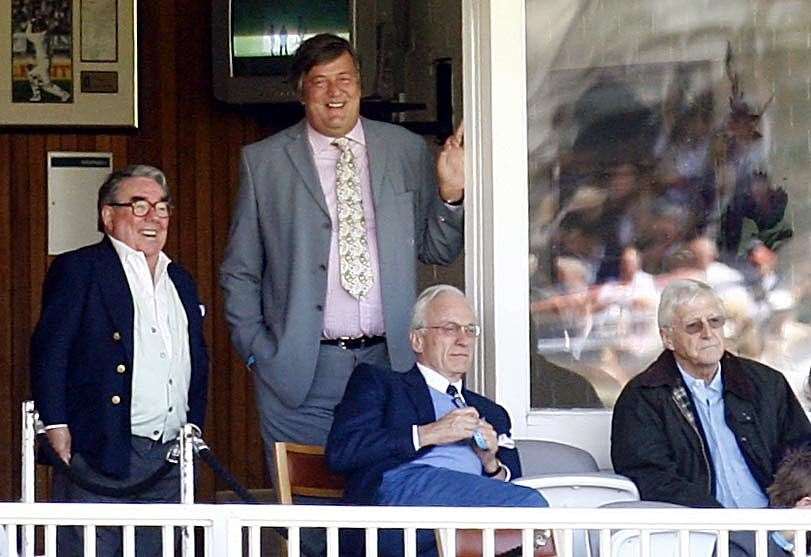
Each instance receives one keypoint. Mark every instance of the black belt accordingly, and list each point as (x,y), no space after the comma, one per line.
(350,343)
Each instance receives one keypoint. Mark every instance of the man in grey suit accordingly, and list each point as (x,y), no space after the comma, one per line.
(320,269)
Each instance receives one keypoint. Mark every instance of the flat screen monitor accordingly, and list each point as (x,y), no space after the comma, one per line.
(253,42)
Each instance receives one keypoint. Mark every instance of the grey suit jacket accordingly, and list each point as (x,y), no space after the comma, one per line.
(274,273)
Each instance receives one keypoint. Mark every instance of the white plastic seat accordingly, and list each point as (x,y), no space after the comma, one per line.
(585,491)
(627,543)
(582,490)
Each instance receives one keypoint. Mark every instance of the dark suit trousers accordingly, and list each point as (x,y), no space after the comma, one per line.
(146,457)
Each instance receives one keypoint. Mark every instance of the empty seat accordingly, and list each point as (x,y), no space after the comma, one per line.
(581,491)
(627,543)
(551,457)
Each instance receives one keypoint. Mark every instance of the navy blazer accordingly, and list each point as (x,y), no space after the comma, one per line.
(371,432)
(82,350)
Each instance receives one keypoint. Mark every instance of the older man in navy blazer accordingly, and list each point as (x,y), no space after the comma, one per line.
(419,438)
(118,359)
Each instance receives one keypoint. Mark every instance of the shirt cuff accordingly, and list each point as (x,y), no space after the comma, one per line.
(415,437)
(55,426)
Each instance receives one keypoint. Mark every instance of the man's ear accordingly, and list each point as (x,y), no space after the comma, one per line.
(666,339)
(107,217)
(804,502)
(416,341)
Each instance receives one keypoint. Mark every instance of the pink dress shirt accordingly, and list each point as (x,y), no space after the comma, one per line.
(345,316)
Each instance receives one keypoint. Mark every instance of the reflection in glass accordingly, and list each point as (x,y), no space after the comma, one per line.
(666,139)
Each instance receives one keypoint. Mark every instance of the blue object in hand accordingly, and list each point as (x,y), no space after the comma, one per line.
(459,402)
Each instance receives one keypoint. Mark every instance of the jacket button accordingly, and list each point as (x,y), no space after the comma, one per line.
(116,336)
(116,399)
(744,439)
(322,267)
(121,368)
(319,307)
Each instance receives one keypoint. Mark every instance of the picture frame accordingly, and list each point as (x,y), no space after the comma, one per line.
(69,63)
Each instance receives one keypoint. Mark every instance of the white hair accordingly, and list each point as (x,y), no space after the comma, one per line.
(683,291)
(425,298)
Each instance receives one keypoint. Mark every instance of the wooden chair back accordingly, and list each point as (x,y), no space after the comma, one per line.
(302,470)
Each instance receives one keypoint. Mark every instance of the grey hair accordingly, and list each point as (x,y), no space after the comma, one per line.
(109,189)
(425,298)
(683,291)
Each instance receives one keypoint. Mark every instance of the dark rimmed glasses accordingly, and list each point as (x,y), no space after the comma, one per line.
(697,325)
(141,207)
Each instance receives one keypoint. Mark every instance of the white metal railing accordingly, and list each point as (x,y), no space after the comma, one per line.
(235,530)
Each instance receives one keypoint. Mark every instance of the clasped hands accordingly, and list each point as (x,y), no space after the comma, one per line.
(458,425)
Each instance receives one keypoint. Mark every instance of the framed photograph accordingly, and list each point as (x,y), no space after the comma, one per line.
(68,63)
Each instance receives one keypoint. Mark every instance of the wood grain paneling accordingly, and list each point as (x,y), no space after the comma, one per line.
(195,140)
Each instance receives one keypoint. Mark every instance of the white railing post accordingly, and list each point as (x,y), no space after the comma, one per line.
(28,488)
(29,434)
(226,535)
(186,463)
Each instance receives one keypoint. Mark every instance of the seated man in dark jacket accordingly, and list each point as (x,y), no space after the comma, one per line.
(421,439)
(701,427)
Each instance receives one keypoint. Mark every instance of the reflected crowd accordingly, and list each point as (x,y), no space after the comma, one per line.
(644,188)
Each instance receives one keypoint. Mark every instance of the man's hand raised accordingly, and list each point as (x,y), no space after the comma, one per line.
(450,168)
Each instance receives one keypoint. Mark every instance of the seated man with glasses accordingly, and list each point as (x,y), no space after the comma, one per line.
(702,427)
(420,438)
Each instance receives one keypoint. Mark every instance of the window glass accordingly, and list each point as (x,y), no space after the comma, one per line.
(666,139)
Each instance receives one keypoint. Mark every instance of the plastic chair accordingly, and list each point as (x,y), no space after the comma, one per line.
(626,543)
(550,457)
(581,491)
(662,539)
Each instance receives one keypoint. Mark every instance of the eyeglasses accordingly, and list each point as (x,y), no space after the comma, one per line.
(696,326)
(454,329)
(140,207)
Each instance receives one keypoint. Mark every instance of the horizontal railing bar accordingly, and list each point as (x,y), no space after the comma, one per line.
(411,517)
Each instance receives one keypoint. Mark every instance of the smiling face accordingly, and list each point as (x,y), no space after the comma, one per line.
(147,233)
(697,353)
(448,354)
(330,93)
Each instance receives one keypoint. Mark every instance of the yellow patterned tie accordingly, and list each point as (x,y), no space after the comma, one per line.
(353,246)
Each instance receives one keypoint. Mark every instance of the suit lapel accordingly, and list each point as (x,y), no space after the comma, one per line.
(115,292)
(417,390)
(376,151)
(299,152)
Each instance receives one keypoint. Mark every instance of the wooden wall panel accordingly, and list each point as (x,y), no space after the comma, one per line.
(195,140)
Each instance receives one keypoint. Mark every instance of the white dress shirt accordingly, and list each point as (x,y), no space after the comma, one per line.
(161,363)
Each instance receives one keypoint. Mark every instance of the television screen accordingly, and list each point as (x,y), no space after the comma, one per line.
(265,34)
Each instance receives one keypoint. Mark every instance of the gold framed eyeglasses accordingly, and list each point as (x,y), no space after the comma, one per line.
(455,329)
